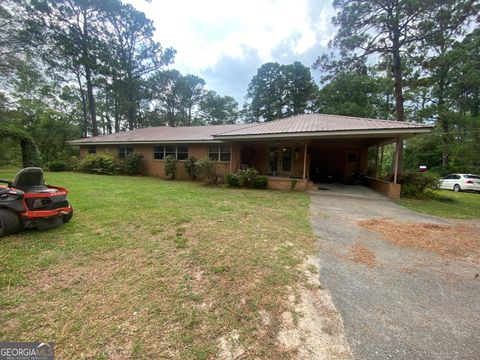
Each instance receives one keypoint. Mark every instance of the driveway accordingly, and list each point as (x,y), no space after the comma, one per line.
(396,302)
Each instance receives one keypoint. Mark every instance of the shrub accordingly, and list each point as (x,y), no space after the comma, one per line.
(261,182)
(132,164)
(293,183)
(170,166)
(73,163)
(57,166)
(207,170)
(102,163)
(191,167)
(416,184)
(247,177)
(232,180)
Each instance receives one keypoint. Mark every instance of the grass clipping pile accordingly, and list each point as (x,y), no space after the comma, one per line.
(460,240)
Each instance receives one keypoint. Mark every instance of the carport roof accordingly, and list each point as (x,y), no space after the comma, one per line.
(308,126)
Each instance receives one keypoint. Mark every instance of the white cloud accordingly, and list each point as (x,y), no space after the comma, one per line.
(203,32)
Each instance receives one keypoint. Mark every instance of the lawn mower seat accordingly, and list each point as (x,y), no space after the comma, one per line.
(30,180)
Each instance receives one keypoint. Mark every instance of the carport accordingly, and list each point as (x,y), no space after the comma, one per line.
(315,148)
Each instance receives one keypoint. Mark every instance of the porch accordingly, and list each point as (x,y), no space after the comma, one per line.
(305,165)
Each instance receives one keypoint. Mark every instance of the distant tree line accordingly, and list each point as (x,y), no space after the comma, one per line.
(393,59)
(72,68)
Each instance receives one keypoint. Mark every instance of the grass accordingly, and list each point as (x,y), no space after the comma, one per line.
(150,268)
(448,204)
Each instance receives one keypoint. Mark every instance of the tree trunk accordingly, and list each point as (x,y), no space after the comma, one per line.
(398,89)
(25,155)
(189,120)
(115,114)
(88,74)
(84,106)
(131,119)
(91,101)
(109,124)
(442,119)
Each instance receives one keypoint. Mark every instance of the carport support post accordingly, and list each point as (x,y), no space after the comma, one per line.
(376,163)
(231,157)
(305,163)
(397,153)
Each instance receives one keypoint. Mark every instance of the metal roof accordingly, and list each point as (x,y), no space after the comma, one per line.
(161,134)
(319,123)
(300,125)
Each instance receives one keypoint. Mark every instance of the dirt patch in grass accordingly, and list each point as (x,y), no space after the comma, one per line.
(460,240)
(313,329)
(359,253)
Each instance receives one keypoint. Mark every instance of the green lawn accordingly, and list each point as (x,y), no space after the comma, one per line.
(449,204)
(150,268)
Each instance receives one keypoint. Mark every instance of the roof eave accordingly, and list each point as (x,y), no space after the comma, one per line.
(146,142)
(332,134)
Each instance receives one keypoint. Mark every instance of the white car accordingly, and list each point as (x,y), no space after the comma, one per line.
(460,182)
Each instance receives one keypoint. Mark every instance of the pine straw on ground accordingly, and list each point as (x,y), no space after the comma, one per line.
(460,240)
(359,253)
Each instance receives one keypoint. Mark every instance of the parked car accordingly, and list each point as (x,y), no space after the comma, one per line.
(460,182)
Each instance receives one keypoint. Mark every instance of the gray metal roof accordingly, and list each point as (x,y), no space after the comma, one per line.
(317,123)
(161,134)
(308,124)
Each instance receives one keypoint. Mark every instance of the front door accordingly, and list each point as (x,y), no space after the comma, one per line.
(281,161)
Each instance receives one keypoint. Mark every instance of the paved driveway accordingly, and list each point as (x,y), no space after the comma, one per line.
(412,304)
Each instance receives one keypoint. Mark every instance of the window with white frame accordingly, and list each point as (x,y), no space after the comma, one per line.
(123,151)
(179,152)
(219,152)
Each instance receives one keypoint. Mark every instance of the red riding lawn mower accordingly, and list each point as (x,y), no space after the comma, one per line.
(28,203)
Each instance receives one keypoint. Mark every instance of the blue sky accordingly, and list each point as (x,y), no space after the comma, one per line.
(224,42)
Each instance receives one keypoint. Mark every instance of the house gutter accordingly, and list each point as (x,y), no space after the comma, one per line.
(329,134)
(146,142)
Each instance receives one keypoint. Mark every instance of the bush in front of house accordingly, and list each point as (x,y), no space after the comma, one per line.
(101,163)
(132,164)
(170,166)
(260,182)
(191,167)
(417,184)
(207,170)
(232,180)
(249,178)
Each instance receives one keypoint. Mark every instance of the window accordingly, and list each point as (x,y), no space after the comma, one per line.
(219,152)
(124,151)
(158,152)
(286,159)
(171,150)
(182,152)
(179,152)
(273,160)
(92,149)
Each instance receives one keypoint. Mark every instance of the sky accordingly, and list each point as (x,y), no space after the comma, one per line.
(225,41)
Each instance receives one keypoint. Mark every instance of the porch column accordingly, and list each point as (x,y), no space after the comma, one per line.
(305,163)
(397,153)
(231,157)
(381,157)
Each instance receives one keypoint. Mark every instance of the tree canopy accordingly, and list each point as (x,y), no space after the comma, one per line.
(277,91)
